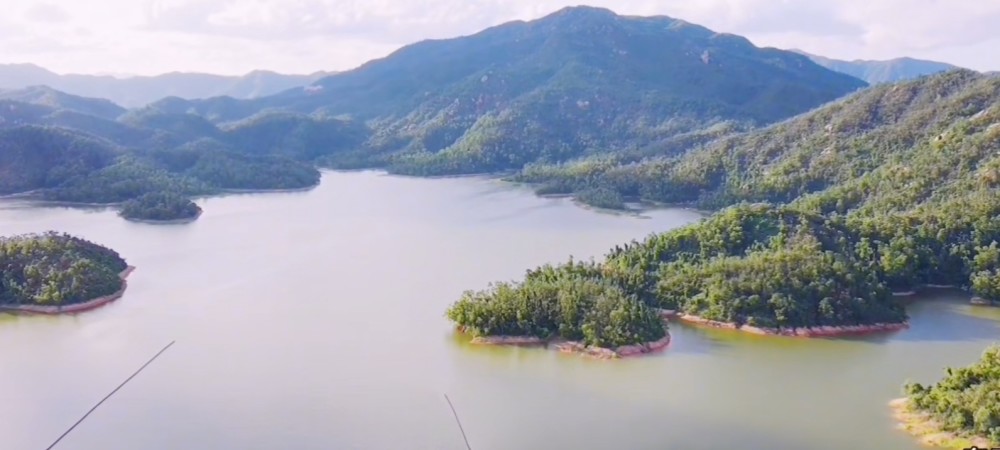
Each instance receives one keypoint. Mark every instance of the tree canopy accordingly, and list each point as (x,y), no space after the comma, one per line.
(55,269)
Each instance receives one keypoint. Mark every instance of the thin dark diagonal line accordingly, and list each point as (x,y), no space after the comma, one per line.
(459,422)
(109,395)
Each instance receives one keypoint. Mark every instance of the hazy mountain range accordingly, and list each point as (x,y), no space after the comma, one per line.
(877,72)
(140,90)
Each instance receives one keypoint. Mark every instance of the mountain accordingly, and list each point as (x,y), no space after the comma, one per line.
(877,72)
(139,91)
(580,81)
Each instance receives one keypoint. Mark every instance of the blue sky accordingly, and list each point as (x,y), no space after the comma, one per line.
(236,36)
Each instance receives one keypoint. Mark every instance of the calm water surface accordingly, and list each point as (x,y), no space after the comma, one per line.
(315,321)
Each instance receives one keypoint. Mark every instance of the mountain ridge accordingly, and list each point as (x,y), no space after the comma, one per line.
(140,90)
(882,71)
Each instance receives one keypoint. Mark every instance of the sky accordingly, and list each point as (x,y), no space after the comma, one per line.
(147,37)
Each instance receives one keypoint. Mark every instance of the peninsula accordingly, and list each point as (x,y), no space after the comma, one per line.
(570,307)
(958,412)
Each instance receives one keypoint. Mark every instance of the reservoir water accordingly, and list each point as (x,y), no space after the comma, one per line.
(314,320)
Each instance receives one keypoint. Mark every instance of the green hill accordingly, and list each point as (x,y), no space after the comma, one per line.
(67,165)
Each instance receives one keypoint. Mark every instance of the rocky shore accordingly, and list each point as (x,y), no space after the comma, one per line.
(576,347)
(613,353)
(979,301)
(829,331)
(75,307)
(924,427)
(165,222)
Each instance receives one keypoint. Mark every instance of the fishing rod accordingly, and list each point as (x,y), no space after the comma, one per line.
(78,422)
(164,349)
(469,447)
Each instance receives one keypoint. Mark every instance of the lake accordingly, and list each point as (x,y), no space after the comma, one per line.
(315,320)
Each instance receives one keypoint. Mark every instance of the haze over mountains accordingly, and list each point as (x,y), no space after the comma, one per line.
(877,72)
(139,91)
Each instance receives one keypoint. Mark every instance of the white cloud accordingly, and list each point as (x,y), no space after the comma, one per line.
(235,36)
(46,12)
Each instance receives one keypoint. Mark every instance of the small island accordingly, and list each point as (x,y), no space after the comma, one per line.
(160,207)
(54,273)
(960,411)
(569,307)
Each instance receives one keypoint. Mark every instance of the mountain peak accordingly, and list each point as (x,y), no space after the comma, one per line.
(582,11)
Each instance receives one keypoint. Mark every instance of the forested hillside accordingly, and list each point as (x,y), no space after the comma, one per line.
(61,164)
(890,189)
(581,81)
(965,401)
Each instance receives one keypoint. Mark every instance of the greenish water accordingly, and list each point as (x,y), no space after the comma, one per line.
(314,320)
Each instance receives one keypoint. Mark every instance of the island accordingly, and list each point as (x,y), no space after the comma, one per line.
(960,411)
(569,307)
(55,273)
(160,207)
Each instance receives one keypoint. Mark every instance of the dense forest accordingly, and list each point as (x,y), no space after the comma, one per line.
(888,190)
(56,269)
(572,302)
(967,400)
(160,207)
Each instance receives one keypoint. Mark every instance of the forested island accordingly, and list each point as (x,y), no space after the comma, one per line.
(54,273)
(163,207)
(961,410)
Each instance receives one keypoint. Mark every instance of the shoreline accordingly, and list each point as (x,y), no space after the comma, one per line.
(164,222)
(809,332)
(928,429)
(576,347)
(75,307)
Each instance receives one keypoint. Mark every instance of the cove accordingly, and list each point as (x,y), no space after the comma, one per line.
(314,320)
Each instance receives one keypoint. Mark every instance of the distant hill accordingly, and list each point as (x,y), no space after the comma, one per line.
(877,72)
(46,96)
(576,82)
(141,90)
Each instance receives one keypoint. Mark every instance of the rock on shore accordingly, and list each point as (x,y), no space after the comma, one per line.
(828,331)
